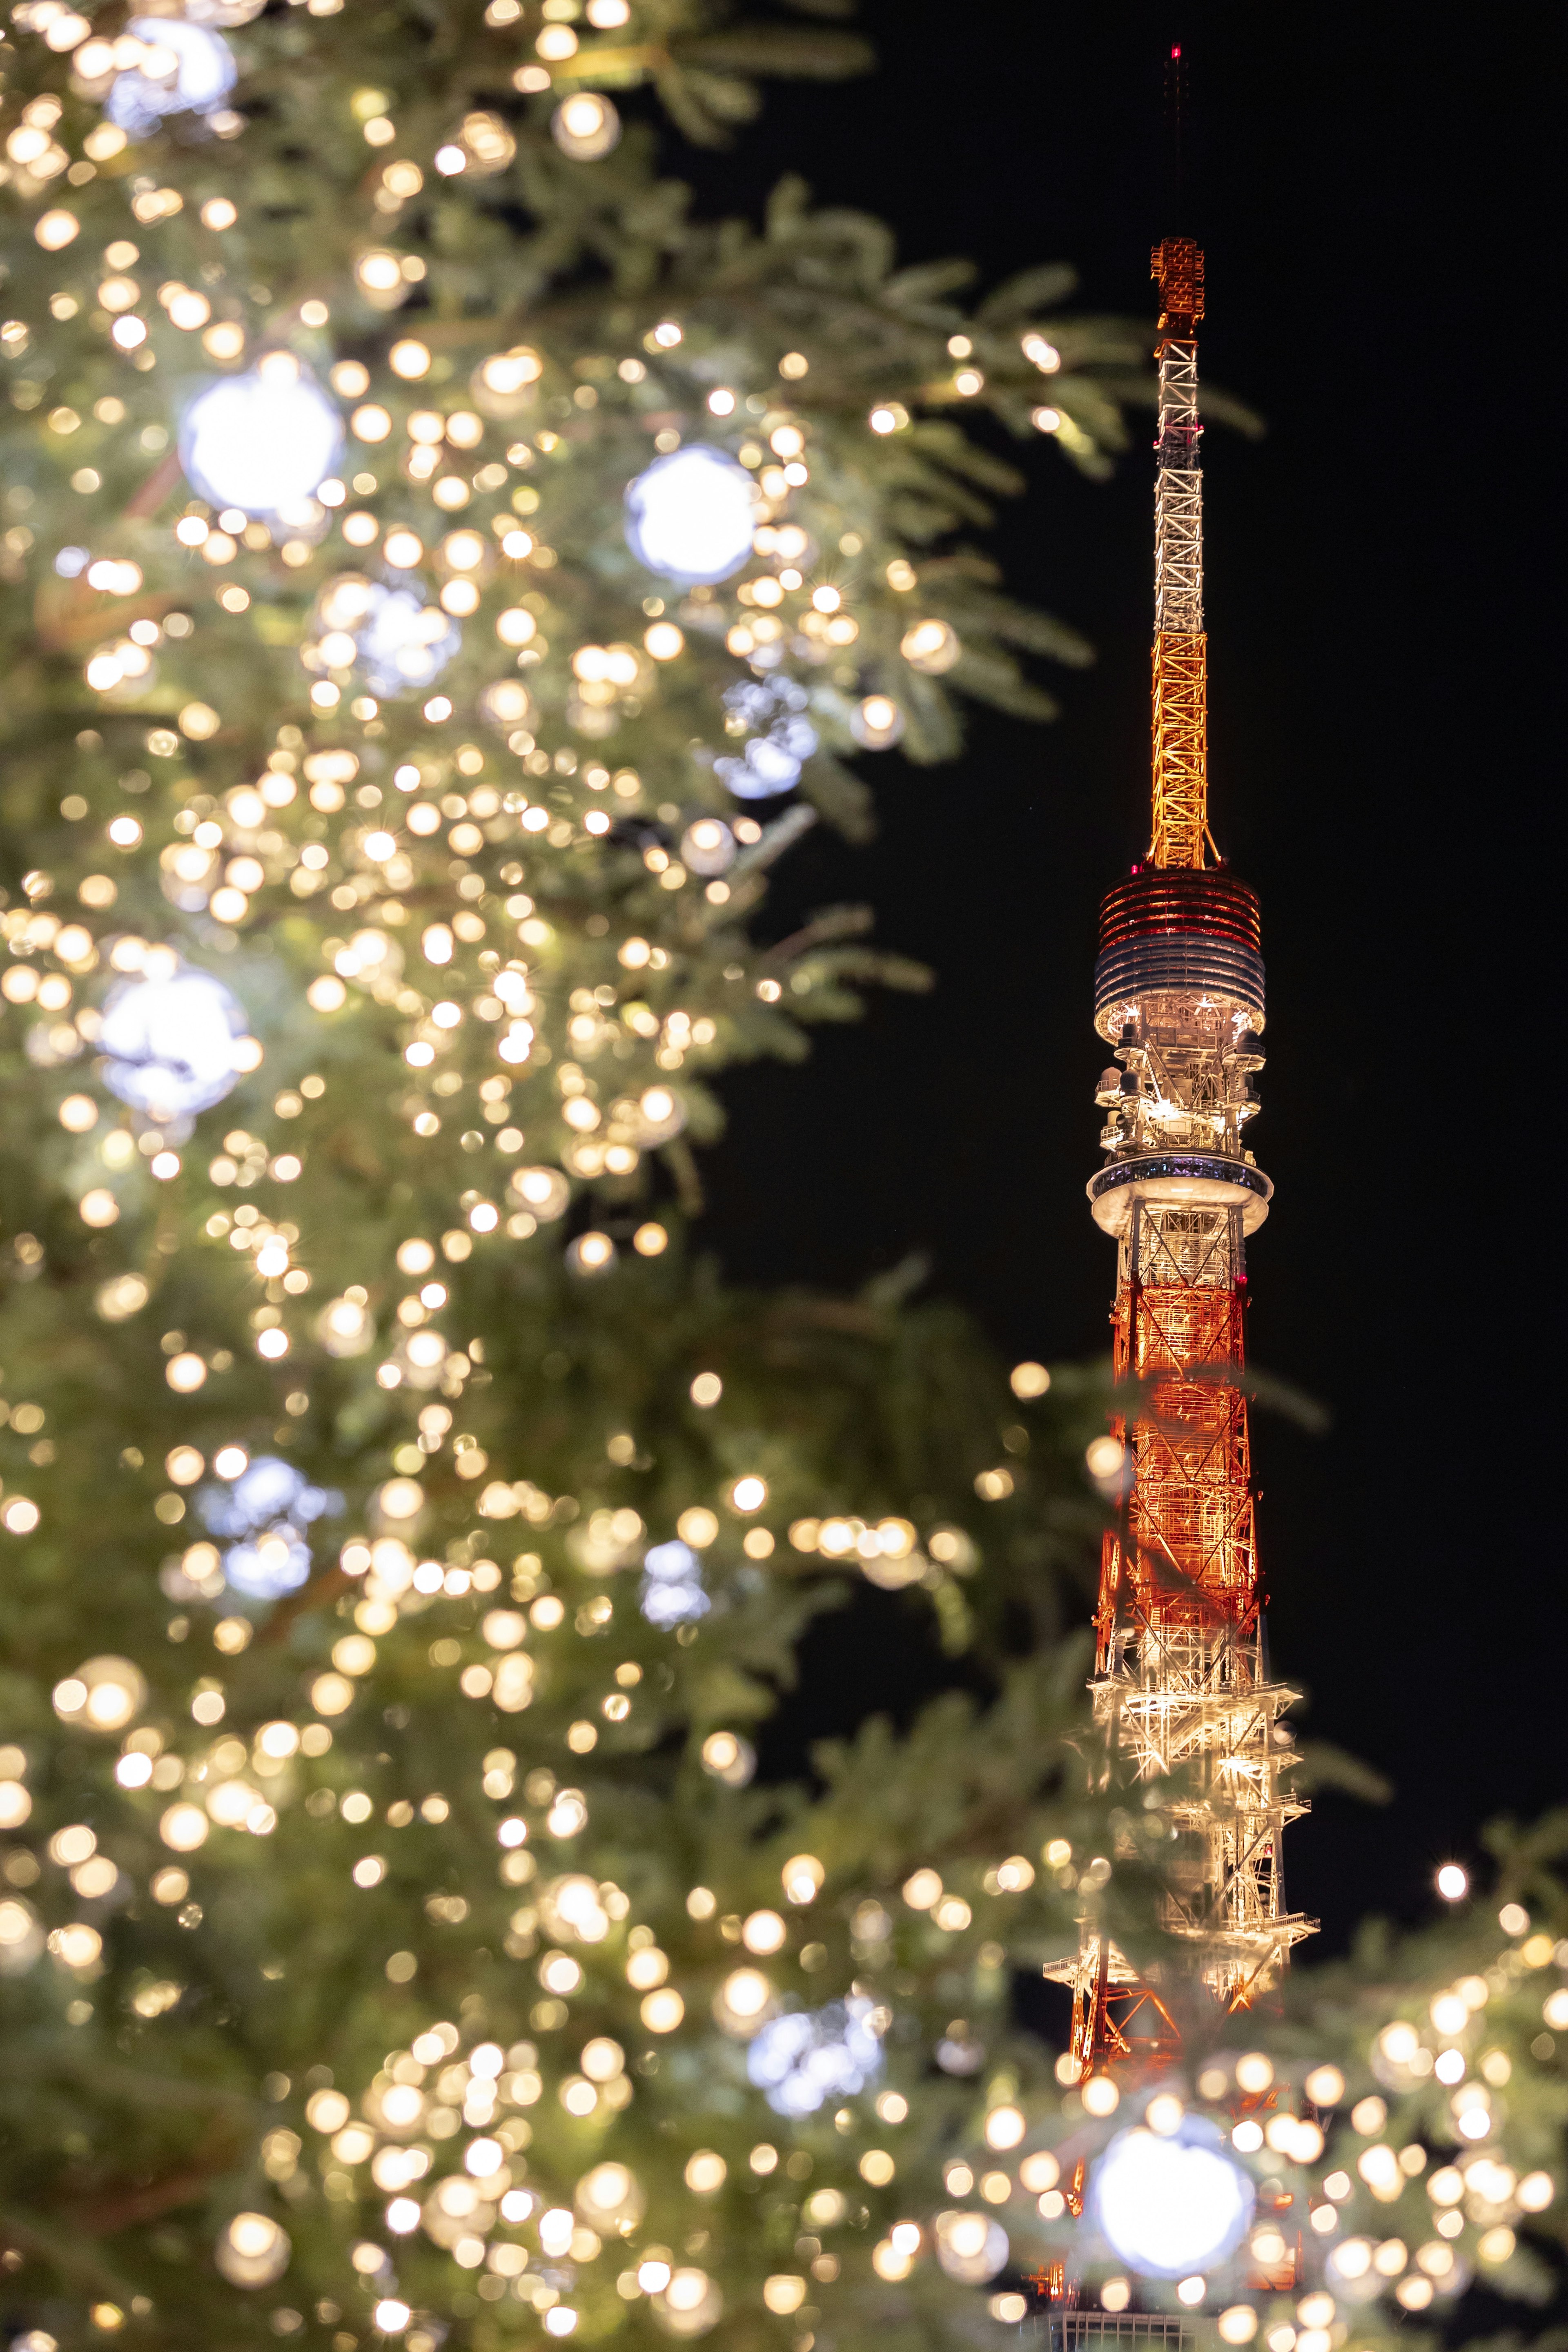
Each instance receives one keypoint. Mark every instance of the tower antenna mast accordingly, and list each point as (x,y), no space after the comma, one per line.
(1180,831)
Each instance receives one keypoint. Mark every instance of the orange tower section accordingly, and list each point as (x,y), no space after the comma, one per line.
(1182,1691)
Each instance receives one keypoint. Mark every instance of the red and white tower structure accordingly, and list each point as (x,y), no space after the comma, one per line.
(1182,1695)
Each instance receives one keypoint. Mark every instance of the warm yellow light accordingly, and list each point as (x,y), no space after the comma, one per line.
(585,125)
(763,1932)
(803,1877)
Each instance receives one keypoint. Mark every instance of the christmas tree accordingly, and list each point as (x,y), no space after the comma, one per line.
(406,1534)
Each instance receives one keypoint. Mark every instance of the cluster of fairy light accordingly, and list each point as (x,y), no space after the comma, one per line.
(474,2151)
(694,518)
(1188,2209)
(263,451)
(262,1510)
(467,2194)
(280,460)
(470,2141)
(746,1993)
(174,1040)
(238,1788)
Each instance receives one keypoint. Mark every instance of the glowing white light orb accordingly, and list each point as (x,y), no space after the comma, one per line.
(802,2060)
(1452,1884)
(268,1508)
(774,758)
(402,642)
(691,515)
(673,1591)
(171,1046)
(185,69)
(261,441)
(1171,2205)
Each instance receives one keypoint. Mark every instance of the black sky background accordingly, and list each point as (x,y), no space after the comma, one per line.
(1378,194)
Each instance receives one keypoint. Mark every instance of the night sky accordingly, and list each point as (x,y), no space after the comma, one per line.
(1376,196)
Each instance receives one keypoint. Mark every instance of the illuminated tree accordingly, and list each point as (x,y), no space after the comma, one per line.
(405,1540)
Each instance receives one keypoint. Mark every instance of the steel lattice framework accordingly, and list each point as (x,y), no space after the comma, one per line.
(1182,1695)
(1181,660)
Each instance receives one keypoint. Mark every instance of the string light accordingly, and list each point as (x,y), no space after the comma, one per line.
(690,515)
(104,1694)
(784,740)
(170,1041)
(586,126)
(1170,2204)
(268,1508)
(802,2060)
(260,442)
(252,2251)
(877,722)
(931,646)
(183,66)
(397,642)
(971,2247)
(673,1591)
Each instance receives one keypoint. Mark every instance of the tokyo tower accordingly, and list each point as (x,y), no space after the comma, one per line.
(1183,1696)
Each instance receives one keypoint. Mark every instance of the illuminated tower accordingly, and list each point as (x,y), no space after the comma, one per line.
(1181,1690)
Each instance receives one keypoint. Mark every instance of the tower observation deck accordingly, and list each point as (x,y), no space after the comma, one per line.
(1183,1696)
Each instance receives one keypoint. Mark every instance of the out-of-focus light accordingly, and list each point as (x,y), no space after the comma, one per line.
(1452,1884)
(784,738)
(252,2251)
(267,1510)
(184,68)
(931,646)
(877,722)
(807,2057)
(1171,2205)
(671,1592)
(690,516)
(970,2247)
(586,126)
(262,441)
(403,642)
(169,1045)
